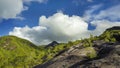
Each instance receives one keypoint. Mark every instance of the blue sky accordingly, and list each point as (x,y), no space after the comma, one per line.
(31,11)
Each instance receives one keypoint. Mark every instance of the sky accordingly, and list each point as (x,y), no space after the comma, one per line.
(44,21)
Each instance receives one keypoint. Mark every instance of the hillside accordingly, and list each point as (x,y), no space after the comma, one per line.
(95,52)
(20,53)
(16,52)
(106,55)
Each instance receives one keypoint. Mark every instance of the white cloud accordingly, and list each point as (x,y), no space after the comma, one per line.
(13,8)
(112,13)
(102,25)
(39,1)
(64,24)
(61,27)
(81,2)
(103,19)
(10,9)
(89,14)
(58,27)
(34,34)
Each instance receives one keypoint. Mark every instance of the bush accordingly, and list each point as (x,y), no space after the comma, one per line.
(92,53)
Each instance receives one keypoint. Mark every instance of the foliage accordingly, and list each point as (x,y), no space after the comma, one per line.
(109,36)
(17,52)
(92,53)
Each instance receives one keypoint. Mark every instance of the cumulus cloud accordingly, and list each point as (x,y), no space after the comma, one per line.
(59,27)
(34,34)
(62,28)
(10,9)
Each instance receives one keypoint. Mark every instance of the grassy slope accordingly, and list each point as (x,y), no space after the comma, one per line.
(20,53)
(16,52)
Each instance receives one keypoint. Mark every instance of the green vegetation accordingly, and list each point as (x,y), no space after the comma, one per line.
(16,52)
(110,36)
(20,53)
(92,53)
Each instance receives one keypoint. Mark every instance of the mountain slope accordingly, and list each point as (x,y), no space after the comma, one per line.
(20,53)
(16,52)
(95,52)
(12,41)
(108,56)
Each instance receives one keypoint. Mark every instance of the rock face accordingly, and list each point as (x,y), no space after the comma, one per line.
(108,56)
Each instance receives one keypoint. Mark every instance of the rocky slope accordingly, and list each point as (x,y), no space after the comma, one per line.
(104,53)
(108,56)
